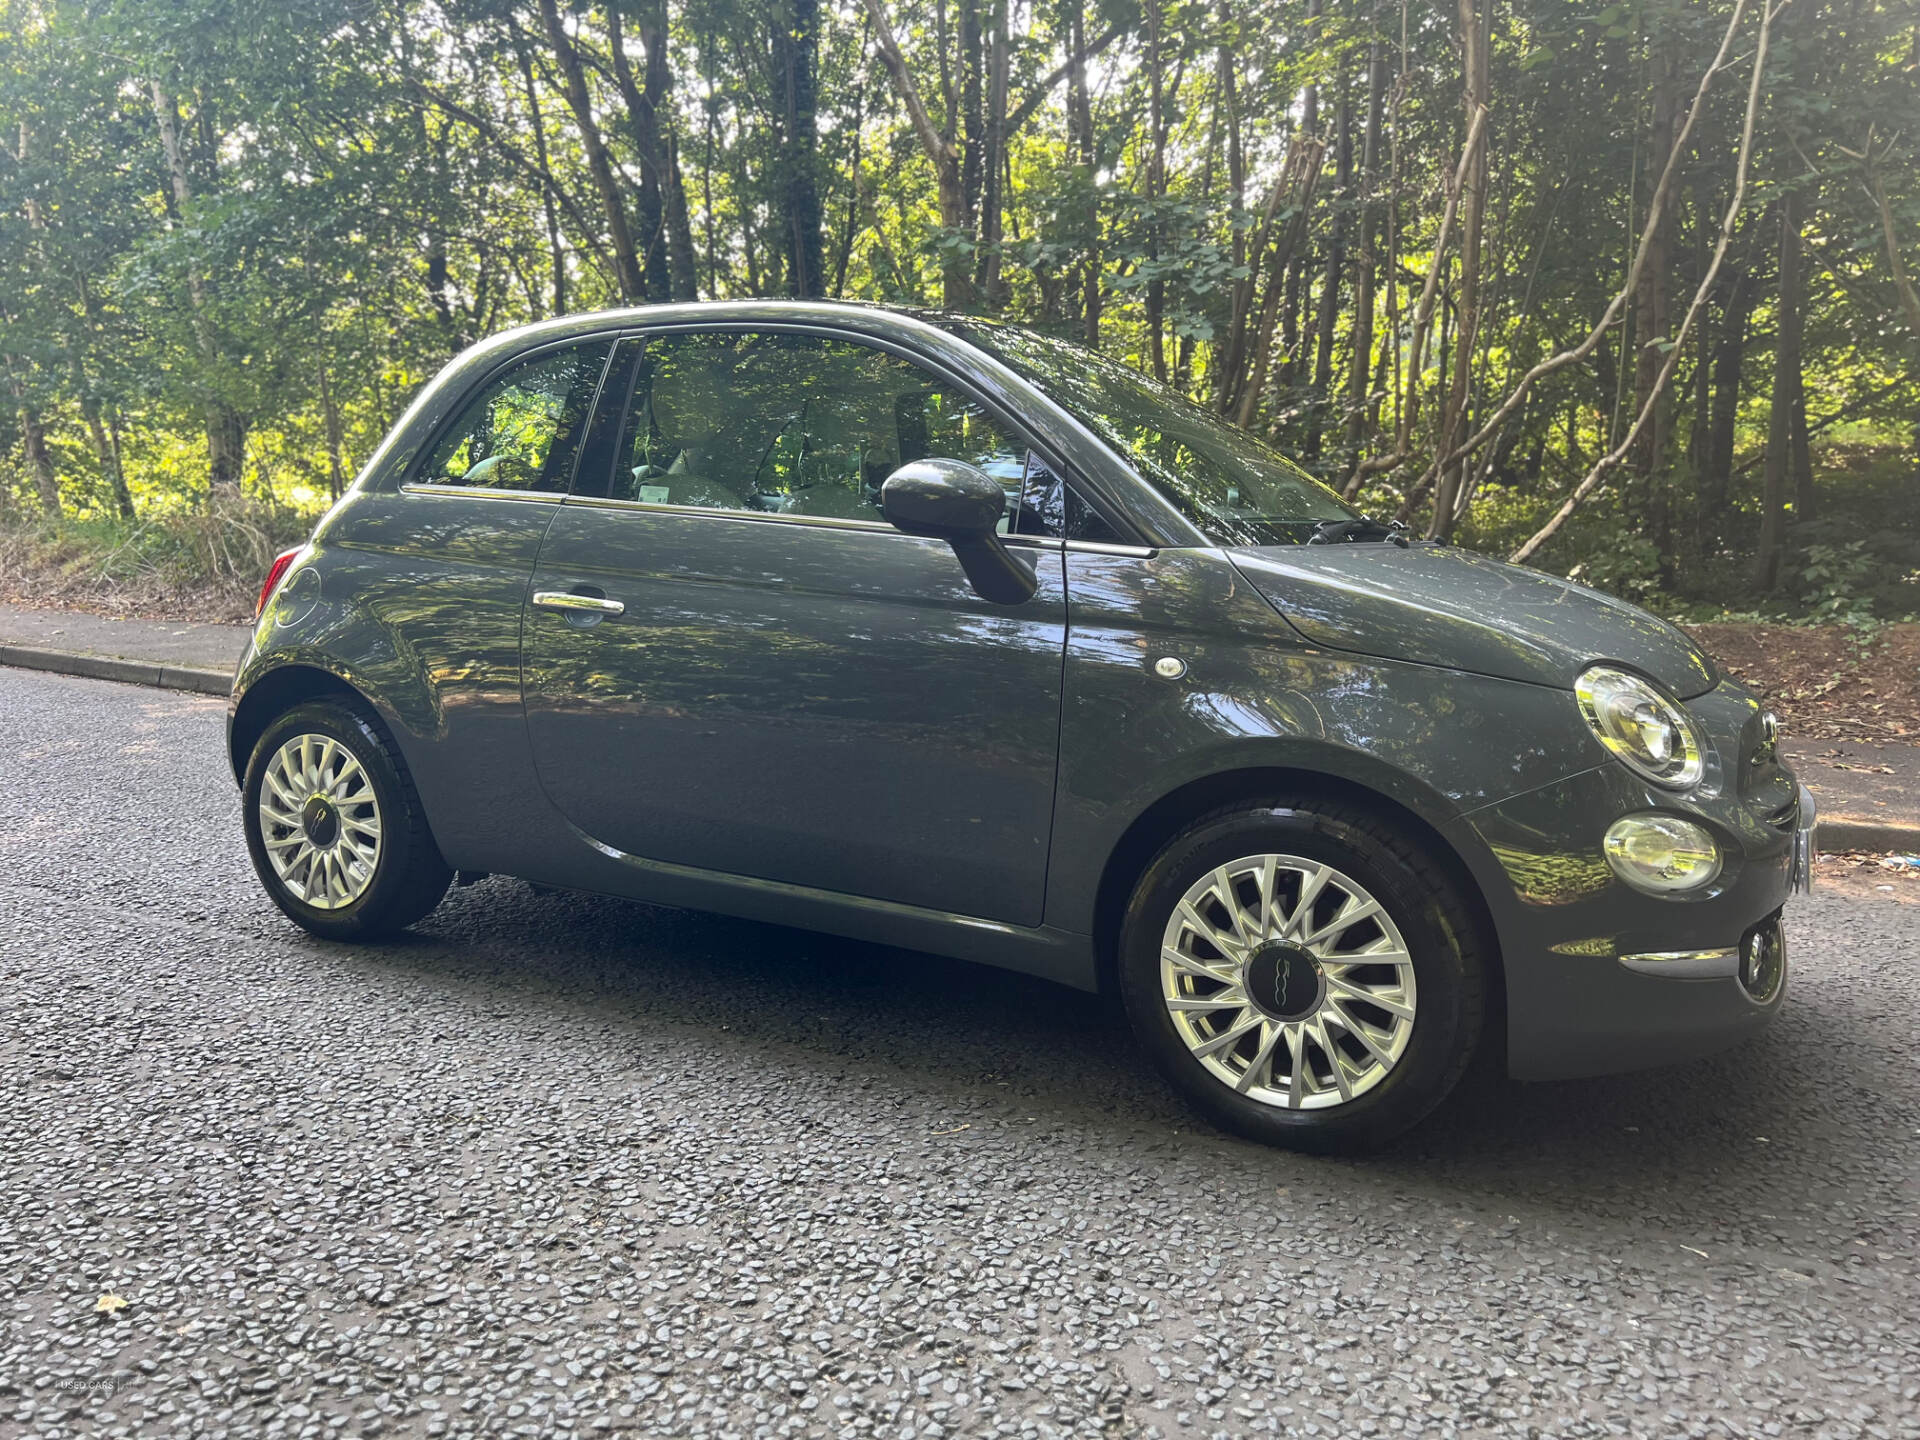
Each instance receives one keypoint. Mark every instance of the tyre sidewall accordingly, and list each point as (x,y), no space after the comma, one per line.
(368,914)
(1445,970)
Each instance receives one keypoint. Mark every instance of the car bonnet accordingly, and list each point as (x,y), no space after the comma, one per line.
(1439,605)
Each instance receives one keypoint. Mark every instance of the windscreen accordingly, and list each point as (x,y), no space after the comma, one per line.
(1235,488)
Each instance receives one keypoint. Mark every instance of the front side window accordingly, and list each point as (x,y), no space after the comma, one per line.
(522,431)
(1235,488)
(798,425)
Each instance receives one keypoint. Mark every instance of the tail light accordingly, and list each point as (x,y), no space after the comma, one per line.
(274,574)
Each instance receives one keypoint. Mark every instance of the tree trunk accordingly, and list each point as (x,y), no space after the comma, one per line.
(1358,373)
(973,111)
(1155,185)
(1653,318)
(626,262)
(1242,362)
(1296,285)
(1700,422)
(1299,174)
(1716,465)
(711,231)
(33,435)
(643,120)
(1229,103)
(226,450)
(1777,478)
(105,451)
(1801,453)
(1336,267)
(226,431)
(682,266)
(555,255)
(336,458)
(796,50)
(1889,228)
(956,286)
(987,276)
(1799,450)
(1084,145)
(1453,417)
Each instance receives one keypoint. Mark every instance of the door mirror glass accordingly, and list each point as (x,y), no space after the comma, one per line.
(952,501)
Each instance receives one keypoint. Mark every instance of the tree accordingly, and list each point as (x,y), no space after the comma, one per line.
(796,51)
(1449,256)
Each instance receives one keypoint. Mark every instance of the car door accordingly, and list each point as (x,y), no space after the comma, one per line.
(789,689)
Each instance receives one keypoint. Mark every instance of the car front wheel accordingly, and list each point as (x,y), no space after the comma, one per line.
(1303,973)
(335,828)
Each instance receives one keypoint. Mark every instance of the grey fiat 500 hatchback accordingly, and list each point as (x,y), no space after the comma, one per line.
(951,636)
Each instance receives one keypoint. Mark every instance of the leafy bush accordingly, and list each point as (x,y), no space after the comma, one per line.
(1622,564)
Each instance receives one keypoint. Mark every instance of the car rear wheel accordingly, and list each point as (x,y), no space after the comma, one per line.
(1303,973)
(334,825)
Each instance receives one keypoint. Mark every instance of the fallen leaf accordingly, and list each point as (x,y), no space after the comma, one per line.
(1691,1251)
(107,1304)
(955,1131)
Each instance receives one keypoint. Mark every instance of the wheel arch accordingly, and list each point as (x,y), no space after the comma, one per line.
(272,693)
(1160,821)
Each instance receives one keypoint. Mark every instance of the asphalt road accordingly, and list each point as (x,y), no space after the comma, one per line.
(562,1164)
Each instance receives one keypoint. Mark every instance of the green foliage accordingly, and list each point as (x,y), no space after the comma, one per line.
(359,192)
(1619,562)
(209,558)
(1835,580)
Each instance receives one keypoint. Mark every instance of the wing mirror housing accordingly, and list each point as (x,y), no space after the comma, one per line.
(951,501)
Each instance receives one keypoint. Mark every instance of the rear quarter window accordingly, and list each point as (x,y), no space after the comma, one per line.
(523,430)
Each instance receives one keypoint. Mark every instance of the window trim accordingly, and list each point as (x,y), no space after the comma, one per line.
(639,336)
(756,517)
(410,483)
(830,522)
(478,492)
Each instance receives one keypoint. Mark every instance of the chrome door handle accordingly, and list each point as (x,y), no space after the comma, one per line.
(567,600)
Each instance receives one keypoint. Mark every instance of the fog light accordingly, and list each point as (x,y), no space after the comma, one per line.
(1763,960)
(1662,854)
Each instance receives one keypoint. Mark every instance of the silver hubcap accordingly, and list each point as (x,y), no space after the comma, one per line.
(1288,981)
(320,822)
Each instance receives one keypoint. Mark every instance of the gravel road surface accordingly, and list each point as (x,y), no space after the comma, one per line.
(560,1165)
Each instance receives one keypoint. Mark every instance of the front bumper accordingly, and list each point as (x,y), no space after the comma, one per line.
(1601,978)
(1758,962)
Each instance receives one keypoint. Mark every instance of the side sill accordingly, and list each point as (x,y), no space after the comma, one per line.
(1049,953)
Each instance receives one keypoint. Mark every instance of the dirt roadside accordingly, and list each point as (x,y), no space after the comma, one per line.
(1825,683)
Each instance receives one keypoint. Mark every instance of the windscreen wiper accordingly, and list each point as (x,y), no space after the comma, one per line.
(1361,527)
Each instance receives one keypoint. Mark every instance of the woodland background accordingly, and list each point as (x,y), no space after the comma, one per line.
(1625,289)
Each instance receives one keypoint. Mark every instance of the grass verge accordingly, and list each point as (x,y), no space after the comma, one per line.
(203,564)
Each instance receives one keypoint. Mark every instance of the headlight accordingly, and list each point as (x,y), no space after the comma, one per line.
(1642,726)
(1662,854)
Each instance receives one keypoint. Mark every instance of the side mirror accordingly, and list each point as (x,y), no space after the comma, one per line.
(950,501)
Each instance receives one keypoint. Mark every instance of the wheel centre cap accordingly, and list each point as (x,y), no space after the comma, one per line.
(1284,981)
(320,821)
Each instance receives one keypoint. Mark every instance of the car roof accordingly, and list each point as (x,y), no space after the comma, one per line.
(857,314)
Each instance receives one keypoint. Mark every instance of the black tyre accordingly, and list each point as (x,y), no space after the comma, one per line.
(1303,973)
(335,827)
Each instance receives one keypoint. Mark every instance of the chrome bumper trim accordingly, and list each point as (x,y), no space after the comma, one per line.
(1687,964)
(1800,877)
